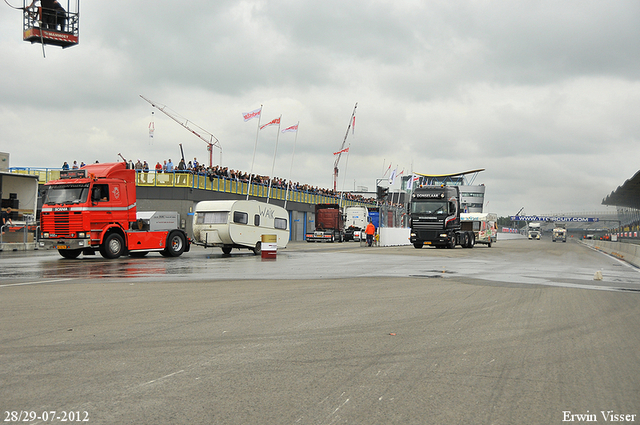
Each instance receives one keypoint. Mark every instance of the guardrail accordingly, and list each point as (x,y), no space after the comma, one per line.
(214,183)
(9,234)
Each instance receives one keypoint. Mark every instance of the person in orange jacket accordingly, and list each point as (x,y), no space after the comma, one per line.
(370,231)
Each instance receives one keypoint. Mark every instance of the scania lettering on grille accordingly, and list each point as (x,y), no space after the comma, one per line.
(61,209)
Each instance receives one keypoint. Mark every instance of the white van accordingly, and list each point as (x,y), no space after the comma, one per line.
(239,224)
(484,225)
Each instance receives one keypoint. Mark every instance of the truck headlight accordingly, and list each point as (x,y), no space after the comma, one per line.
(45,235)
(81,235)
(443,235)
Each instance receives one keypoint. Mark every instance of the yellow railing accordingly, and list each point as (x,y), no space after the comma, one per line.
(199,181)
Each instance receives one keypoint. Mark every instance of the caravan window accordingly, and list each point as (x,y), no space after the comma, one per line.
(218,217)
(256,220)
(280,223)
(240,217)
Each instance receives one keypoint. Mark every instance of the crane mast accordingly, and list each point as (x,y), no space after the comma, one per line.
(342,149)
(186,124)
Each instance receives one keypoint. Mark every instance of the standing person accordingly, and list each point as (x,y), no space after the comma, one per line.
(5,218)
(53,14)
(158,167)
(370,231)
(65,166)
(169,166)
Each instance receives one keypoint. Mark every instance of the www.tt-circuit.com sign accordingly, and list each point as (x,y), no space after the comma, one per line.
(560,219)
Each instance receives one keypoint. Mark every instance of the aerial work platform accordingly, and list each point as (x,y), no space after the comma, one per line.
(54,26)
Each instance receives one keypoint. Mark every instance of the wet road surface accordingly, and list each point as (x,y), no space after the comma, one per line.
(327,333)
(510,262)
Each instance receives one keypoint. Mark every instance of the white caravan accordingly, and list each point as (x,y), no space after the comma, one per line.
(239,224)
(484,225)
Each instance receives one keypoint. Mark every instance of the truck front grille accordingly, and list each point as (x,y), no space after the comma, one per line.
(431,225)
(65,223)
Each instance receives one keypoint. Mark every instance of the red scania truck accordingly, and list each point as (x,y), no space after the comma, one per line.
(94,209)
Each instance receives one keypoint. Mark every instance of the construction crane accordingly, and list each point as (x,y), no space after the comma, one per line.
(188,125)
(352,123)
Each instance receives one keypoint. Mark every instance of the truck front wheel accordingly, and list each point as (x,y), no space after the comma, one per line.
(418,245)
(112,247)
(70,253)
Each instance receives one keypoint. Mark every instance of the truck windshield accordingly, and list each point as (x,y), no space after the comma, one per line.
(429,207)
(67,194)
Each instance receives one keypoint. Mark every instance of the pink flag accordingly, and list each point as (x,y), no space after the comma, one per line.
(272,122)
(342,151)
(249,115)
(353,125)
(412,180)
(293,128)
(385,173)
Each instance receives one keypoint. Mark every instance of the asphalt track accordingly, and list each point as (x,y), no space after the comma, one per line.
(519,333)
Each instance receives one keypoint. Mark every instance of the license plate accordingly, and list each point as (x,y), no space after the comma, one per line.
(427,243)
(62,247)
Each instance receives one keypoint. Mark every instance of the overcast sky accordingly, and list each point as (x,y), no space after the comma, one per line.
(544,95)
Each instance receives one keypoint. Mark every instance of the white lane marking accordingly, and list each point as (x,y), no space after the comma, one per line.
(34,283)
(164,377)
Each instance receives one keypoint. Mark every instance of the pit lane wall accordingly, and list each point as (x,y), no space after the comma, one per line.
(628,252)
(394,236)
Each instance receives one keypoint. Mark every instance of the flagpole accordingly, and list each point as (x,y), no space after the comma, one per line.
(273,165)
(255,147)
(293,154)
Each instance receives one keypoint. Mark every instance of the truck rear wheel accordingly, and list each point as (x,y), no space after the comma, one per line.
(176,243)
(472,239)
(465,240)
(112,247)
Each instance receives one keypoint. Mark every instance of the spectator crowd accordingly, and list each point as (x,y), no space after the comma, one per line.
(194,167)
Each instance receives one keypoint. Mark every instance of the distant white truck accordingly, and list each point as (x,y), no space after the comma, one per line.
(355,222)
(484,225)
(559,234)
(534,231)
